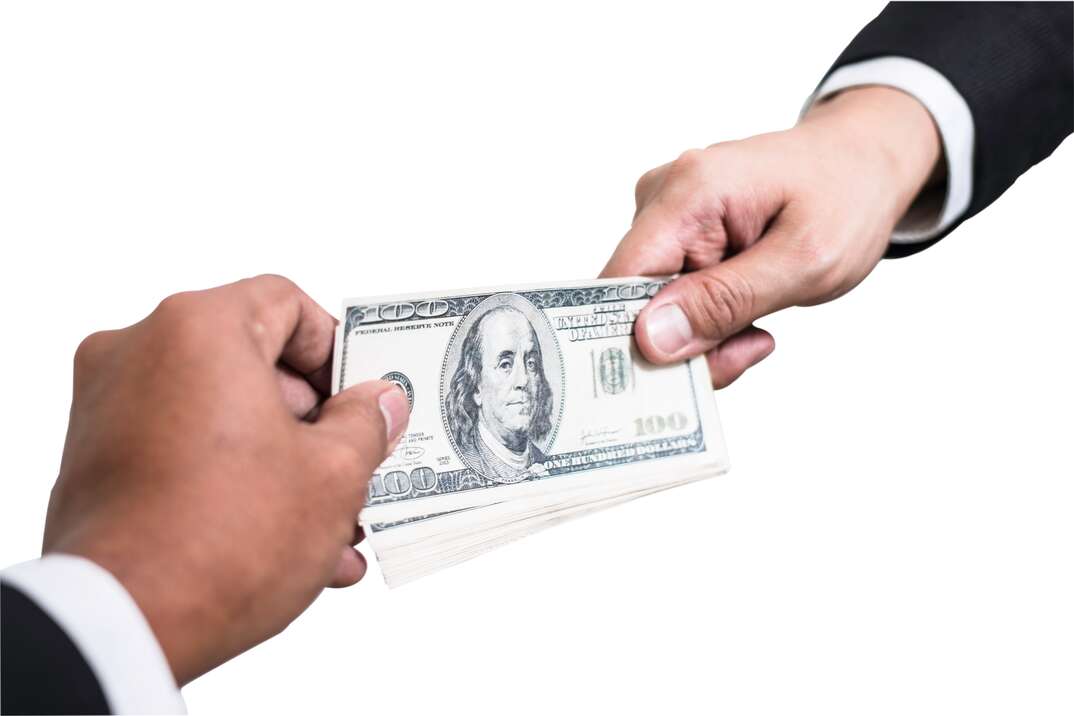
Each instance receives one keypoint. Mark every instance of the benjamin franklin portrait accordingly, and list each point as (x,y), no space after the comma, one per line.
(499,403)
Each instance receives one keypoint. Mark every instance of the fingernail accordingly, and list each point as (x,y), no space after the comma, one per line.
(669,329)
(396,411)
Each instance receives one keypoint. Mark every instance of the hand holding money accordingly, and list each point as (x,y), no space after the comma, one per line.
(206,471)
(529,406)
(772,221)
(189,475)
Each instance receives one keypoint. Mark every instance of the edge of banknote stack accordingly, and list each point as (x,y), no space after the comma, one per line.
(530,406)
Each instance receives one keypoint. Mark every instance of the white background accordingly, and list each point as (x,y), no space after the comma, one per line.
(896,533)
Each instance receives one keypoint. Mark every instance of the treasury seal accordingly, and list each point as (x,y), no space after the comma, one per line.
(403,382)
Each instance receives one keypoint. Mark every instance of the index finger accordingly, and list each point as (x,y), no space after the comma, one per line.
(288,326)
(649,248)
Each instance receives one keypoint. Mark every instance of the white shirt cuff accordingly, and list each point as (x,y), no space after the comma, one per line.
(934,210)
(104,622)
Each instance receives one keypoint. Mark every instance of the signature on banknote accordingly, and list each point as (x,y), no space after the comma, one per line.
(599,435)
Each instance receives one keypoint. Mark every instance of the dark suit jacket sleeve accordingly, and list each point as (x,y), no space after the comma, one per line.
(1013,63)
(41,669)
(73,640)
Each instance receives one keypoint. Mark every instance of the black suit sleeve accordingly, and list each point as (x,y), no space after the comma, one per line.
(1012,62)
(41,669)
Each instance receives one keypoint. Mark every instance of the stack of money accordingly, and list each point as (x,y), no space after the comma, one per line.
(529,406)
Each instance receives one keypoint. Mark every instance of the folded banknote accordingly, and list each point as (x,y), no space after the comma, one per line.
(529,405)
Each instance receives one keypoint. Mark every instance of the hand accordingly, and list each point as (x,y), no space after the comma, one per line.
(189,475)
(797,217)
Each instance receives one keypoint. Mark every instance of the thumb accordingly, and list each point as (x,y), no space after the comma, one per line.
(698,310)
(367,419)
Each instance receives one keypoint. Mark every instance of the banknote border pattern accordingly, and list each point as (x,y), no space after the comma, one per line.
(460,306)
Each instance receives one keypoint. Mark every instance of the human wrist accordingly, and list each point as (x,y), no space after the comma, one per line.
(888,127)
(177,626)
(105,625)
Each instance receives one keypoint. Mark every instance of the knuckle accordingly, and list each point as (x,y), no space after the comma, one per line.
(265,294)
(689,184)
(820,264)
(687,166)
(723,302)
(175,317)
(175,305)
(181,320)
(261,312)
(814,253)
(727,143)
(89,354)
(273,281)
(91,347)
(644,186)
(689,160)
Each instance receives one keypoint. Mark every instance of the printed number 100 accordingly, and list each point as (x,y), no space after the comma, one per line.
(656,424)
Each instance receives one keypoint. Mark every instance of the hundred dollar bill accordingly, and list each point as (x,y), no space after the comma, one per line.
(521,392)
